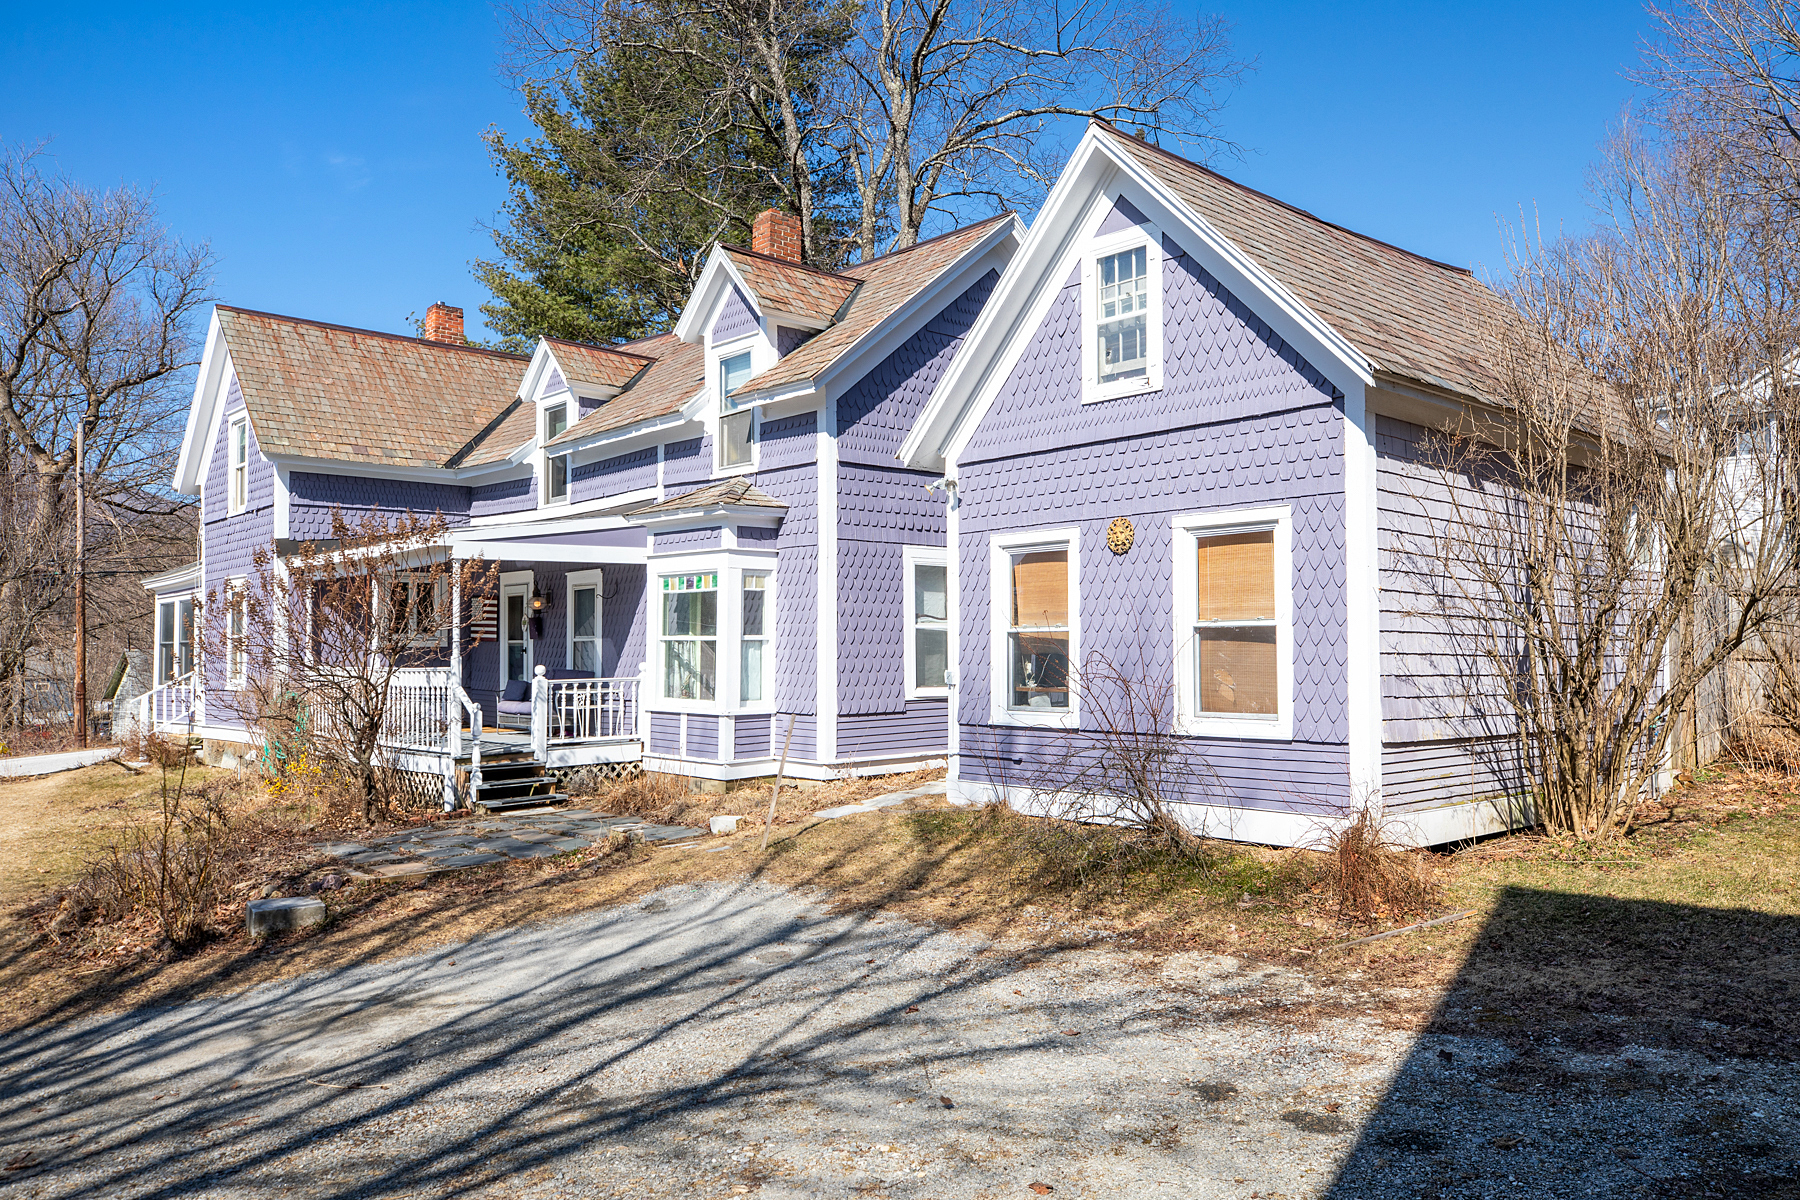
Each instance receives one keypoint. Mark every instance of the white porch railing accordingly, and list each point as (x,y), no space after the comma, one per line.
(169,708)
(424,715)
(589,710)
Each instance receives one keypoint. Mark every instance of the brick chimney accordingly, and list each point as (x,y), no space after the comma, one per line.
(776,234)
(444,324)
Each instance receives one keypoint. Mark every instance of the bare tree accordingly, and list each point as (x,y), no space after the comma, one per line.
(1568,530)
(953,99)
(97,308)
(309,651)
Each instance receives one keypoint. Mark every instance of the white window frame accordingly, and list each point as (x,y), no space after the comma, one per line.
(567,404)
(1188,529)
(237,651)
(237,470)
(722,643)
(913,557)
(512,583)
(1092,390)
(1001,548)
(168,618)
(575,581)
(767,638)
(440,607)
(745,346)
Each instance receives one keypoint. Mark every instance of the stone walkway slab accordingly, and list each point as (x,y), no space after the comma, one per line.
(479,842)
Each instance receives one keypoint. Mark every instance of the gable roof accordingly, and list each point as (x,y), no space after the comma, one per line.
(886,284)
(1409,315)
(677,370)
(791,287)
(597,366)
(316,390)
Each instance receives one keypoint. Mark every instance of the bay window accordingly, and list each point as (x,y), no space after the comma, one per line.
(690,632)
(753,657)
(1234,636)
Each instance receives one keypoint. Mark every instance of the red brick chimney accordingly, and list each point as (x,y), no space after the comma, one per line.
(444,324)
(776,234)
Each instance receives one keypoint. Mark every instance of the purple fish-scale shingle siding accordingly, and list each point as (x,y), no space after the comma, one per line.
(757,533)
(1220,362)
(879,512)
(508,496)
(687,463)
(624,614)
(687,539)
(788,340)
(612,476)
(735,318)
(796,586)
(1241,422)
(229,542)
(1123,216)
(875,415)
(313,495)
(703,736)
(787,442)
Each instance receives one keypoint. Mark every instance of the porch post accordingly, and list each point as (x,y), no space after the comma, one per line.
(453,694)
(540,715)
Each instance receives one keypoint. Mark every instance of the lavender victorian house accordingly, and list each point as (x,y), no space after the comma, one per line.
(1184,436)
(704,538)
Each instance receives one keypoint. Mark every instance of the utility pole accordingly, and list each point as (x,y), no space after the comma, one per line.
(81,704)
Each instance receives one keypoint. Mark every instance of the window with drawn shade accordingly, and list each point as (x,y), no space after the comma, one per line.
(1124,280)
(1038,637)
(1235,625)
(753,659)
(690,635)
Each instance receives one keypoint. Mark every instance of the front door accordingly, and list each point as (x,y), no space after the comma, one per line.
(515,630)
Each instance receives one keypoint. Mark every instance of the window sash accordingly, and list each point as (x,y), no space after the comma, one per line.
(557,483)
(1038,638)
(690,631)
(1235,576)
(1122,306)
(928,617)
(736,436)
(240,466)
(753,637)
(734,373)
(584,628)
(513,636)
(1237,668)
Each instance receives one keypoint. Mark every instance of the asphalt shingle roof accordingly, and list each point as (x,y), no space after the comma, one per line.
(677,372)
(740,493)
(326,391)
(597,366)
(1409,315)
(791,287)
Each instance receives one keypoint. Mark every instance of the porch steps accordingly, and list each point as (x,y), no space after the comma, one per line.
(515,781)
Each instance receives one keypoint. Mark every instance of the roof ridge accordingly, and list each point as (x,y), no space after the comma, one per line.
(392,337)
(1276,200)
(554,341)
(781,262)
(948,233)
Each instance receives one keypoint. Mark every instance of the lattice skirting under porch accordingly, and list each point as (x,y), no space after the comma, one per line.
(587,779)
(415,789)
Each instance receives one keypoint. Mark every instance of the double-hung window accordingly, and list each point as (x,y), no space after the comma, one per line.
(1234,622)
(417,606)
(556,469)
(1122,315)
(753,657)
(1036,627)
(584,626)
(238,481)
(690,635)
(237,632)
(927,625)
(174,639)
(737,429)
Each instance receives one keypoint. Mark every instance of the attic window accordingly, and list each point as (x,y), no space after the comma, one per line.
(1121,305)
(736,429)
(238,482)
(556,470)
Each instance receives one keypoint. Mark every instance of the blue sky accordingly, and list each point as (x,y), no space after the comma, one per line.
(332,153)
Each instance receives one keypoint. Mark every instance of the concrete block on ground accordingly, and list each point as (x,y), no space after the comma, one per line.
(281,914)
(724,825)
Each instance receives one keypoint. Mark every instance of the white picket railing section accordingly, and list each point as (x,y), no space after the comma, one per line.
(169,708)
(588,710)
(421,707)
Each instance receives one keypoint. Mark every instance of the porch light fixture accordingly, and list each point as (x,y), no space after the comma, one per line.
(539,601)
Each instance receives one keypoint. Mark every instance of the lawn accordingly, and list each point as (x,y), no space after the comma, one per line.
(1693,910)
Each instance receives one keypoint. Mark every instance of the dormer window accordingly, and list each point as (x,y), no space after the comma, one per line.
(556,470)
(737,430)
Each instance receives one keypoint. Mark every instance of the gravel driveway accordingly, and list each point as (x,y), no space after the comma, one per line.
(735,1039)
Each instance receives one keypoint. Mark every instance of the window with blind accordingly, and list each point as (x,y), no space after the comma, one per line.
(1038,630)
(1236,625)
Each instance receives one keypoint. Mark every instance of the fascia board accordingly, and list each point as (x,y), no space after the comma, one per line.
(716,514)
(335,466)
(646,428)
(542,359)
(208,391)
(778,316)
(689,327)
(172,579)
(513,527)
